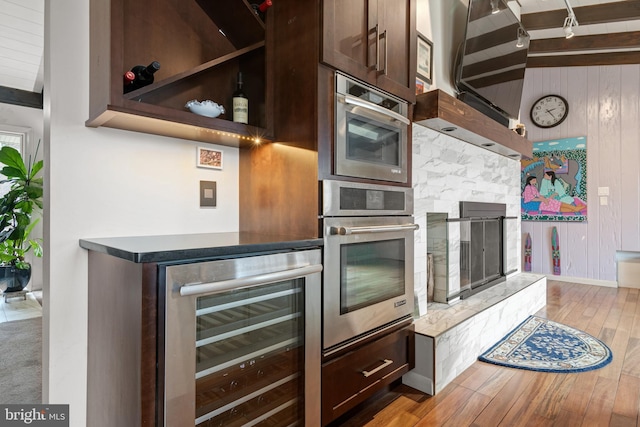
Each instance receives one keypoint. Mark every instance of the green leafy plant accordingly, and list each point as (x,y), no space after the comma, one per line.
(18,206)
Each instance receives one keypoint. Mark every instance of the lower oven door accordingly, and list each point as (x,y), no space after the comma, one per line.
(242,341)
(368,275)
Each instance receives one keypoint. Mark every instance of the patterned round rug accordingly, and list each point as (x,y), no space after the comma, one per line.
(543,345)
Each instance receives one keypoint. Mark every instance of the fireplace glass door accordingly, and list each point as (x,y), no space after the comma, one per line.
(480,252)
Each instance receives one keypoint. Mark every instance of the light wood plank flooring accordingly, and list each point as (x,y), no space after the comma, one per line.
(486,395)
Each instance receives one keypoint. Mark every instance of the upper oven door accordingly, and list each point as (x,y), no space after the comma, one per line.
(368,275)
(371,133)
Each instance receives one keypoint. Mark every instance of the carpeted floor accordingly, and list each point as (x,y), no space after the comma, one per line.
(21,361)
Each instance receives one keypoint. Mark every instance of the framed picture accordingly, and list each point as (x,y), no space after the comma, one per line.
(424,57)
(209,158)
(419,86)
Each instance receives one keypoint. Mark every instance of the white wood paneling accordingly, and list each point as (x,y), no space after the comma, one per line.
(604,106)
(630,160)
(21,44)
(609,168)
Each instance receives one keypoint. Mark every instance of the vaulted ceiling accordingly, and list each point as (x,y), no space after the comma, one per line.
(22,52)
(608,32)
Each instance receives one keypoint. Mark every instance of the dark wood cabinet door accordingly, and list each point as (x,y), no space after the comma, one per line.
(372,40)
(397,40)
(346,44)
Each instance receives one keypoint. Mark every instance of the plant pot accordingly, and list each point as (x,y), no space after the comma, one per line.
(14,279)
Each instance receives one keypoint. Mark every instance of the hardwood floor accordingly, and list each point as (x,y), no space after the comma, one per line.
(487,395)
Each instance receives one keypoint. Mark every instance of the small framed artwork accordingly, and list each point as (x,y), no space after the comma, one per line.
(424,57)
(419,86)
(209,158)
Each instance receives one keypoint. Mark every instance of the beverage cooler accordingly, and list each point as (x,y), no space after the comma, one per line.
(242,341)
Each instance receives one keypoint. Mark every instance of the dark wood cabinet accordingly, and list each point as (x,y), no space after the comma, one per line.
(356,375)
(373,40)
(200,46)
(279,183)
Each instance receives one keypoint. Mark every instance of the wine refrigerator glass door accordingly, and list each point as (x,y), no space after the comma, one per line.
(249,361)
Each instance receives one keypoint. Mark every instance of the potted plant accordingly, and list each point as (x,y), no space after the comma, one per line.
(17,208)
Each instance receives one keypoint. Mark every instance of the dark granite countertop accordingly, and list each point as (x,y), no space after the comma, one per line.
(195,246)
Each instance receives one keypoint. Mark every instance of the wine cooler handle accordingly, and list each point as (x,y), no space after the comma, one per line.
(345,231)
(249,281)
(386,363)
(352,100)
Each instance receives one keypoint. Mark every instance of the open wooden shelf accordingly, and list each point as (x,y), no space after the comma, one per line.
(442,112)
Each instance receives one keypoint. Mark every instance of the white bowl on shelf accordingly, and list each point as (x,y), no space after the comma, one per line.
(206,108)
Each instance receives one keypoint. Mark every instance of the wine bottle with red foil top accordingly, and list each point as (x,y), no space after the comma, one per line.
(261,8)
(143,76)
(127,80)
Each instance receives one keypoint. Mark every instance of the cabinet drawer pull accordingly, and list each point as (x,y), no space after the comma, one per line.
(386,363)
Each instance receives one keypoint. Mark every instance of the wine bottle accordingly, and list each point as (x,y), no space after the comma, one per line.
(240,103)
(261,9)
(143,76)
(127,79)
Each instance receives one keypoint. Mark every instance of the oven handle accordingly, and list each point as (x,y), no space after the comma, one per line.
(352,100)
(345,231)
(249,281)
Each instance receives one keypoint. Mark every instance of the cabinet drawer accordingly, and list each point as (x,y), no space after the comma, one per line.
(358,374)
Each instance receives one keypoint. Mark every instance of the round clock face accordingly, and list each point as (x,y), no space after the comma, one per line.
(549,111)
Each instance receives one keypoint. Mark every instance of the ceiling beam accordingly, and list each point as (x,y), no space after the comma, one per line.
(616,58)
(629,40)
(597,14)
(19,97)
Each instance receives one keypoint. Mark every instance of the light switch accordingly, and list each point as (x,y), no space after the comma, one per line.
(603,191)
(207,194)
(604,200)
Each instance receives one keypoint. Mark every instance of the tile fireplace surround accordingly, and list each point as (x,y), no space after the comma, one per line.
(450,337)
(447,171)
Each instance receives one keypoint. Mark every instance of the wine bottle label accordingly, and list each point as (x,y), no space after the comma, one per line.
(241,110)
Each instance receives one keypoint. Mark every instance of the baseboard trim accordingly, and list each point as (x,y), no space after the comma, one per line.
(584,281)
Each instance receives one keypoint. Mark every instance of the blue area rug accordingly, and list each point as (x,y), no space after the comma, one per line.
(543,345)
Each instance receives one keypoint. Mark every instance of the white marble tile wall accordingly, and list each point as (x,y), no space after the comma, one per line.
(437,245)
(446,171)
(457,348)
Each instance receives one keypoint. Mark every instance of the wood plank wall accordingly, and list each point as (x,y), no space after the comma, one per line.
(604,106)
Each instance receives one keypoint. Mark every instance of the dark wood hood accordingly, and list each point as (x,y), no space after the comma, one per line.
(442,112)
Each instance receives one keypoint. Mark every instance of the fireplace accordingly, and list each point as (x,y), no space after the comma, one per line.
(473,252)
(482,249)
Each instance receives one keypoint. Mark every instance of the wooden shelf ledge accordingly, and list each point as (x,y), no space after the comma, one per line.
(442,112)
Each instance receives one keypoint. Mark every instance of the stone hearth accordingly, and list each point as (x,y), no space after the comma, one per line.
(450,337)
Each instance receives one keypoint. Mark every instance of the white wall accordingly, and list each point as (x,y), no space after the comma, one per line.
(604,105)
(30,118)
(104,182)
(442,22)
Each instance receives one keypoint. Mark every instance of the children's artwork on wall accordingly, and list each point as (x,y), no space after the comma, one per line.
(554,182)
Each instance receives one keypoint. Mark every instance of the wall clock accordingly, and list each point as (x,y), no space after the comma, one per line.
(549,111)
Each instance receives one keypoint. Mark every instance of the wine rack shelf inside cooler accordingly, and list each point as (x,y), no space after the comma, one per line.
(249,355)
